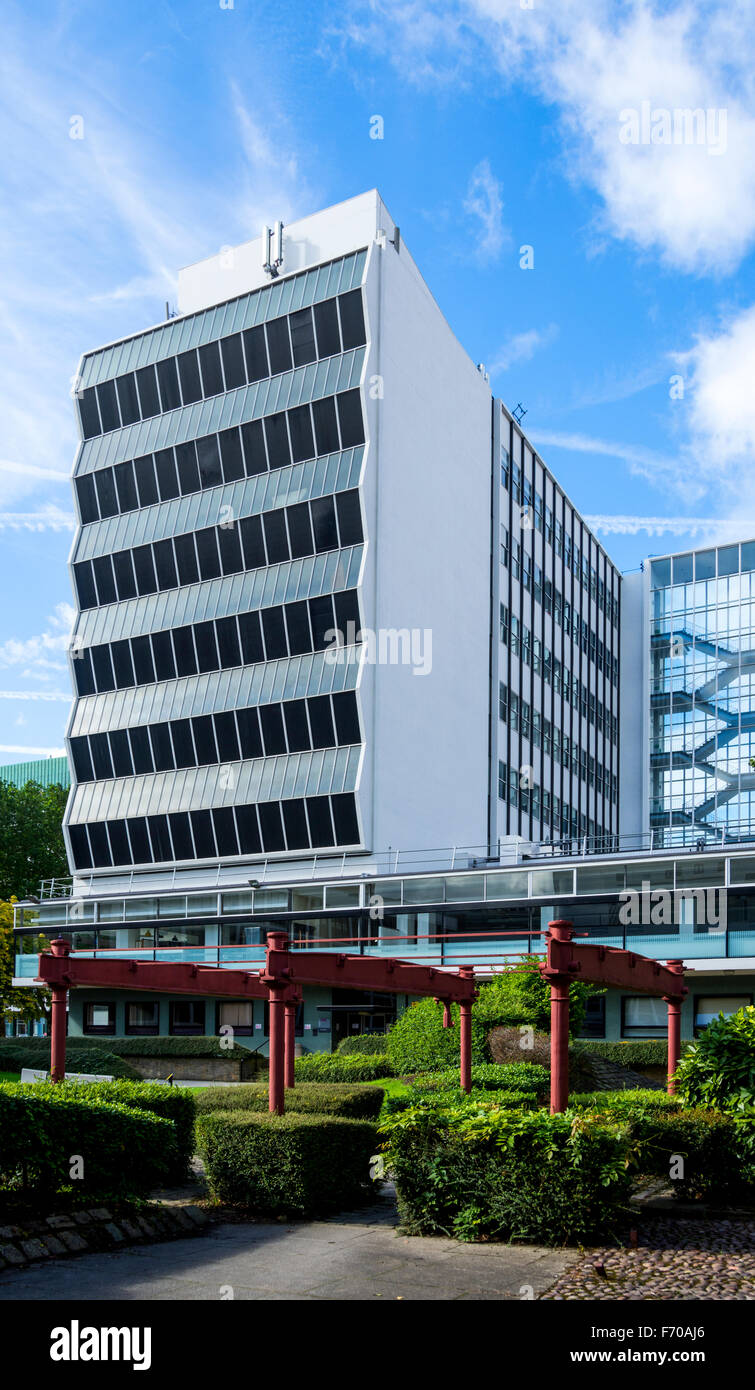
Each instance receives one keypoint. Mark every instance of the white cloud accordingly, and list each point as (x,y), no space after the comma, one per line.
(646,463)
(674,525)
(49,519)
(521,347)
(484,202)
(41,654)
(36,695)
(32,752)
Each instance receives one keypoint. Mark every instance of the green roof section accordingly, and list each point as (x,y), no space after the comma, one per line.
(49,772)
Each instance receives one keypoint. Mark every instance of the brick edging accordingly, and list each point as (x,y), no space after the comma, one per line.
(97,1229)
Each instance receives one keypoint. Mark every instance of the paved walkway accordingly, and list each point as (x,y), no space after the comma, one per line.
(708,1259)
(357,1256)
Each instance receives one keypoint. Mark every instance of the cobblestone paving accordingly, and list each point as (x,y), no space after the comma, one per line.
(674,1259)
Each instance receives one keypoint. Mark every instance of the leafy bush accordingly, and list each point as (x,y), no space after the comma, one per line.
(715,1161)
(15,1053)
(43,1128)
(367,1044)
(719,1068)
(624,1103)
(308,1098)
(333,1066)
(643,1052)
(418,1042)
(169,1102)
(521,1076)
(509,1100)
(286,1165)
(475,1171)
(128,1047)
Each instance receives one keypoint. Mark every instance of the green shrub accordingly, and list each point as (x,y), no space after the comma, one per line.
(476,1171)
(719,1068)
(510,1100)
(715,1162)
(169,1102)
(307,1098)
(623,1103)
(333,1066)
(43,1129)
(366,1044)
(517,1076)
(643,1052)
(286,1165)
(418,1042)
(178,1047)
(81,1056)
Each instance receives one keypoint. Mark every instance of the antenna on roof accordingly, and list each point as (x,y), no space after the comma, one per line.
(519,412)
(272,249)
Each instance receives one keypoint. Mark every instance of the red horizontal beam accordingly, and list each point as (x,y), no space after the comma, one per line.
(607,965)
(161,977)
(387,976)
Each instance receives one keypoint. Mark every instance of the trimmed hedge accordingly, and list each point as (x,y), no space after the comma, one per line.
(16,1054)
(169,1102)
(129,1047)
(509,1100)
(308,1098)
(366,1044)
(333,1066)
(623,1103)
(43,1130)
(511,1076)
(712,1148)
(643,1052)
(286,1165)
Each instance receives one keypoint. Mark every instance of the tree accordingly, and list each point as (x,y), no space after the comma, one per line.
(31,837)
(29,1003)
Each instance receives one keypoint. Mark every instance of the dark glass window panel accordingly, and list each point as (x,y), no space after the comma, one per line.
(297,623)
(320,823)
(160,837)
(144,567)
(207,550)
(145,480)
(98,840)
(255,458)
(208,453)
(228,643)
(146,382)
(300,530)
(187,1017)
(225,830)
(188,371)
(278,346)
(186,559)
(324,523)
(326,327)
(82,762)
(124,574)
(248,828)
(302,438)
(295,822)
(251,638)
(83,673)
(227,738)
(350,418)
(122,663)
(82,855)
(273,735)
(103,669)
(162,650)
(183,645)
(276,434)
(207,652)
(180,832)
(119,846)
(251,540)
(276,538)
(108,498)
(345,819)
(233,361)
(209,365)
(204,739)
(349,517)
(125,486)
(101,760)
(90,415)
(143,665)
(167,477)
(162,748)
(137,831)
(183,746)
(141,750)
(230,549)
(85,590)
(231,455)
(302,337)
(274,632)
(352,319)
(271,826)
(326,429)
(108,406)
(129,405)
(86,494)
(321,619)
(297,728)
(167,377)
(165,565)
(256,353)
(188,468)
(347,717)
(321,721)
(249,733)
(204,840)
(120,750)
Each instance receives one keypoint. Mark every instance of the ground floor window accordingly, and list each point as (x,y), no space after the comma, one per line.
(709,1006)
(143,1019)
(594,1025)
(238,1016)
(100,1018)
(187,1017)
(298,1026)
(642,1016)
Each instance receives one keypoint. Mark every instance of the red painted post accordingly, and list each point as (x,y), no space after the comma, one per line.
(289,1032)
(59,947)
(447,1019)
(559,932)
(465,1035)
(674,1018)
(276,1080)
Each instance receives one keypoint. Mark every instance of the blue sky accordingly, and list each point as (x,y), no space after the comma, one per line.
(506,123)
